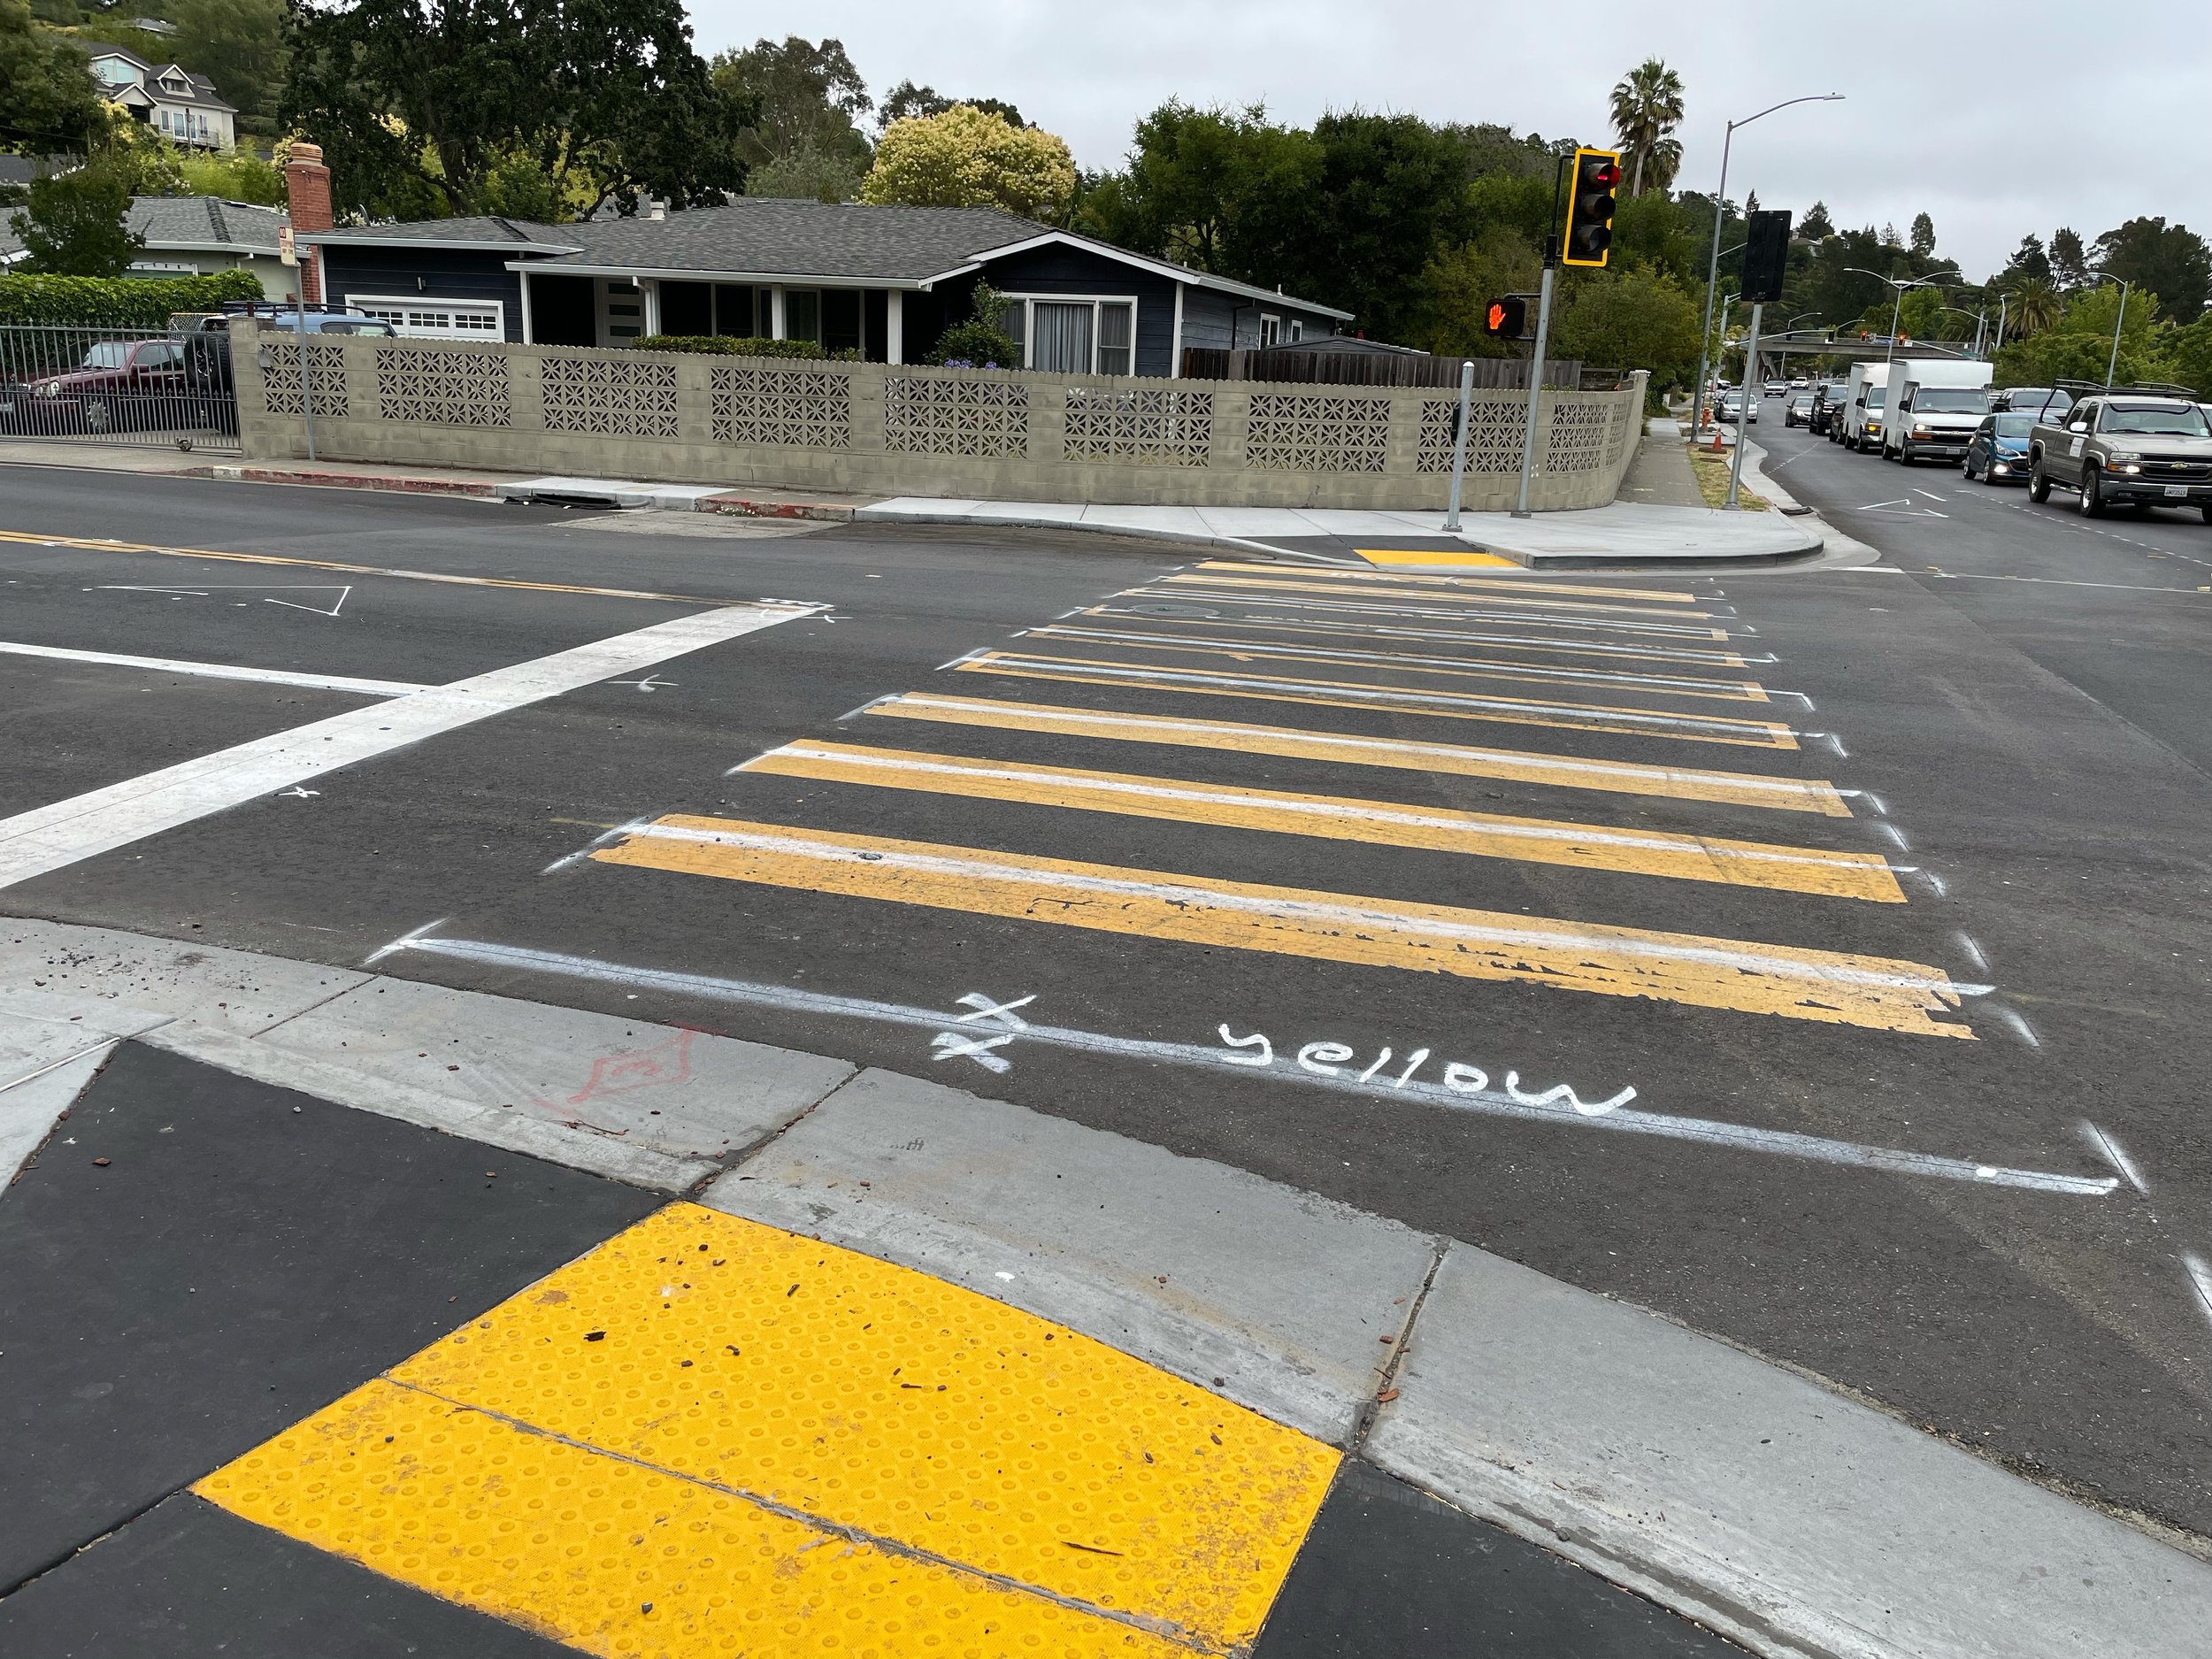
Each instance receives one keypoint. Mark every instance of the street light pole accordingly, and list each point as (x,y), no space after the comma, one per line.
(1720,211)
(2112,364)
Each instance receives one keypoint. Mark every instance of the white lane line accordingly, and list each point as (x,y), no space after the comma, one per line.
(52,838)
(2199,1281)
(2049,582)
(1554,1106)
(344,590)
(218,670)
(2115,1154)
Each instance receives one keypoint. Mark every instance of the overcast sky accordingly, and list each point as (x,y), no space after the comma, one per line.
(1995,118)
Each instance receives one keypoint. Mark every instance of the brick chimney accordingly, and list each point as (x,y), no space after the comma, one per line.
(307,190)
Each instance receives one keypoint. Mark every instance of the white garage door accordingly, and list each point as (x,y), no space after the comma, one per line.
(427,318)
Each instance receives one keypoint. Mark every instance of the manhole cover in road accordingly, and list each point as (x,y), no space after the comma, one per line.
(1173,610)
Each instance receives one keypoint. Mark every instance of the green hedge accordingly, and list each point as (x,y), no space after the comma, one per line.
(119,302)
(742,345)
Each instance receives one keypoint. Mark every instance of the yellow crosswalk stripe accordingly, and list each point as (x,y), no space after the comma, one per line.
(1579,717)
(1832,988)
(1394,556)
(1353,604)
(1375,823)
(1731,788)
(1310,625)
(1398,590)
(1516,584)
(1408,663)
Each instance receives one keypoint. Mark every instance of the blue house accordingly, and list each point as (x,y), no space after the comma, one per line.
(883,281)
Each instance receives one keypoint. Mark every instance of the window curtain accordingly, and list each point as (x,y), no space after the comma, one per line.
(1062,345)
(1116,323)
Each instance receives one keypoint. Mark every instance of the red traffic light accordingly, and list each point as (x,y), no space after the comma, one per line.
(1603,173)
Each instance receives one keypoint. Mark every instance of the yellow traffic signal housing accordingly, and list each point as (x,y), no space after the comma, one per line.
(1590,205)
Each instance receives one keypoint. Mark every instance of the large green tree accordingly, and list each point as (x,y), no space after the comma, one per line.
(239,45)
(420,104)
(47,101)
(74,225)
(808,140)
(2170,260)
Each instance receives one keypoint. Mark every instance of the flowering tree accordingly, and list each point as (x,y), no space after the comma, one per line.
(969,157)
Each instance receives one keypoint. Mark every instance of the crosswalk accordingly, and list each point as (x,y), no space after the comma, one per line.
(1385,692)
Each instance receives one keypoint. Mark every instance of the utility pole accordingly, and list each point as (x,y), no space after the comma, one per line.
(1543,335)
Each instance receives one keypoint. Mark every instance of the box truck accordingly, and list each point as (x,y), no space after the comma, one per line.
(1934,406)
(1862,412)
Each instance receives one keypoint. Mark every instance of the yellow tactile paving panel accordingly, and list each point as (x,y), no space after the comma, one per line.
(985,1468)
(615,1559)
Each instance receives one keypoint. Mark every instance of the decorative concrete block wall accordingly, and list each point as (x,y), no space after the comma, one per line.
(872,429)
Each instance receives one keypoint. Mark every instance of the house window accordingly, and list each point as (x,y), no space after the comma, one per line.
(801,314)
(1270,331)
(1297,331)
(431,318)
(1066,333)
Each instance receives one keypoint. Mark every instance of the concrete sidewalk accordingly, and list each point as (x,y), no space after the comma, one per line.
(1623,533)
(1790,1518)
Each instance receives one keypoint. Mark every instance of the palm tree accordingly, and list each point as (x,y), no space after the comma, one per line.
(2035,306)
(1647,108)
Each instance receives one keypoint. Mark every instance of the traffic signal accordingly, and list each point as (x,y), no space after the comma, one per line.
(1506,319)
(1766,255)
(1590,206)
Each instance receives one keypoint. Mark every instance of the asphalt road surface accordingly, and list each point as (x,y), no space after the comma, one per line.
(1814,957)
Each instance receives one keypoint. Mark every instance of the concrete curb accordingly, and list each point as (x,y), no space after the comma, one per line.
(1045,521)
(1800,1523)
(1755,474)
(396,482)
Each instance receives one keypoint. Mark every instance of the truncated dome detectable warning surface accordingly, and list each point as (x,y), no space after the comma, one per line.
(709,1435)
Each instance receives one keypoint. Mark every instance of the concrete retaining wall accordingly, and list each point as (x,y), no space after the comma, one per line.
(878,429)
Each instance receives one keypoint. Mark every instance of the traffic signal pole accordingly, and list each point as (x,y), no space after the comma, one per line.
(1536,380)
(1459,442)
(1752,386)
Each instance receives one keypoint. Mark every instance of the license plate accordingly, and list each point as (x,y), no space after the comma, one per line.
(2177,489)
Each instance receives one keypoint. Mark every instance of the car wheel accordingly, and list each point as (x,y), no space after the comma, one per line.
(2091,498)
(2038,486)
(98,416)
(1969,469)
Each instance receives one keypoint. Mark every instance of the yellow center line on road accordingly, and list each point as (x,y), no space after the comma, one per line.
(1731,788)
(1578,717)
(1376,823)
(1363,605)
(1830,987)
(36,539)
(1419,595)
(1426,637)
(1407,663)
(1510,583)
(708,1437)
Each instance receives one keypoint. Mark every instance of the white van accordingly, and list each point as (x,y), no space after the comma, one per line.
(1939,404)
(1862,412)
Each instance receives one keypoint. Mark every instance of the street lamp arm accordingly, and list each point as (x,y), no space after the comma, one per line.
(1720,211)
(1810,97)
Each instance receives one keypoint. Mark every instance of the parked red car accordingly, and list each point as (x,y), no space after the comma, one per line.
(119,384)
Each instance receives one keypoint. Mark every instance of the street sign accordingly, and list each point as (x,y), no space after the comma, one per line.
(286,251)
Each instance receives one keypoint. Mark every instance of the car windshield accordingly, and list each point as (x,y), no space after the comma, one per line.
(108,354)
(1951,400)
(2014,426)
(2163,420)
(1875,394)
(2037,400)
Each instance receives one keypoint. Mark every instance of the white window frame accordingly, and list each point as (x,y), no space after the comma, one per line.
(393,308)
(1270,330)
(1029,322)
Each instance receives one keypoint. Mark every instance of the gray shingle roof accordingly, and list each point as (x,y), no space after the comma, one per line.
(758,236)
(190,221)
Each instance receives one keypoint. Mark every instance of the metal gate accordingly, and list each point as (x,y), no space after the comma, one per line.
(159,389)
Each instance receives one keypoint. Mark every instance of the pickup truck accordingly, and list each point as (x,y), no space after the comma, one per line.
(2119,448)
